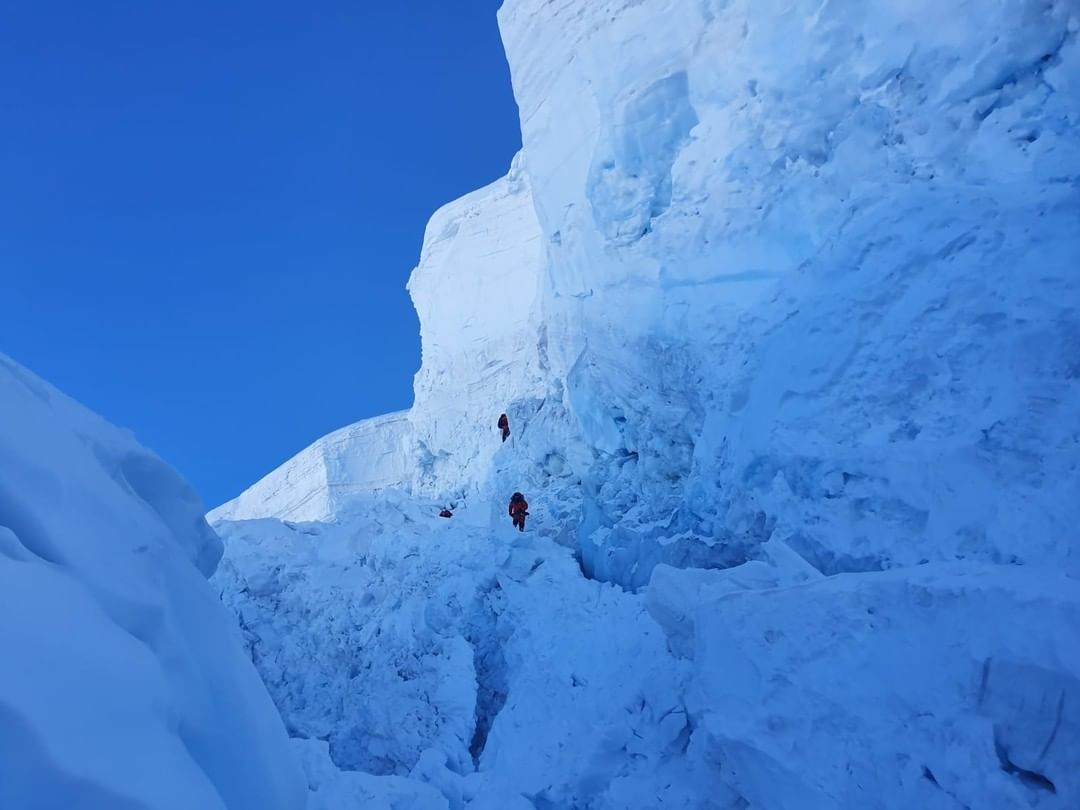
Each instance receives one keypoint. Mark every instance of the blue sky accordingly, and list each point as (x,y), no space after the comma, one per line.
(208,211)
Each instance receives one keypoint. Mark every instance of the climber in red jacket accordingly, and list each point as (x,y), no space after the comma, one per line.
(504,426)
(519,509)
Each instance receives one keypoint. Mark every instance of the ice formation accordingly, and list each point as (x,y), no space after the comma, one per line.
(764,269)
(781,300)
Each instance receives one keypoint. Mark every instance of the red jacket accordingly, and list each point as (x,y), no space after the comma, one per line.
(518,507)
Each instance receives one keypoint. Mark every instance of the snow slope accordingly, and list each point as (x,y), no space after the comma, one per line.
(124,684)
(781,300)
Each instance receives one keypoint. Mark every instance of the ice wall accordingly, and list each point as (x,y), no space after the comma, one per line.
(767,269)
(939,686)
(780,298)
(477,293)
(124,684)
(811,272)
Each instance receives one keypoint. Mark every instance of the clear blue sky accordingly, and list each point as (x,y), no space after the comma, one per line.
(209,210)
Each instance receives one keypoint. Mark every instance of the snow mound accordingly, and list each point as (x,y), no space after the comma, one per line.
(334,789)
(124,684)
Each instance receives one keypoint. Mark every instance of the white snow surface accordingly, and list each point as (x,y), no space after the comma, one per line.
(781,301)
(124,682)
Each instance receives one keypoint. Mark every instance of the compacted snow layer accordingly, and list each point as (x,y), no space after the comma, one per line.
(124,683)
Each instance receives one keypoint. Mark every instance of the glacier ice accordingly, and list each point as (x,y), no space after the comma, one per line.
(862,284)
(850,314)
(124,684)
(781,300)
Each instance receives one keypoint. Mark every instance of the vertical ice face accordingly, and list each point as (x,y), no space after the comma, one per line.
(124,684)
(477,294)
(316,483)
(810,272)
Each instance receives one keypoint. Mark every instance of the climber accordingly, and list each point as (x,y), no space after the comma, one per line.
(504,426)
(446,513)
(519,509)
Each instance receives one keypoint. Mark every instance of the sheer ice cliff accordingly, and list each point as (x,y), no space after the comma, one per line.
(123,683)
(781,301)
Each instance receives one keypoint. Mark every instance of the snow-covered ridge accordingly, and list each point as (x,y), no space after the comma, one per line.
(365,457)
(124,683)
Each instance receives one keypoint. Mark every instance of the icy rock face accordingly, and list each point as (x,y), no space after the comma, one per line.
(124,683)
(811,272)
(316,483)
